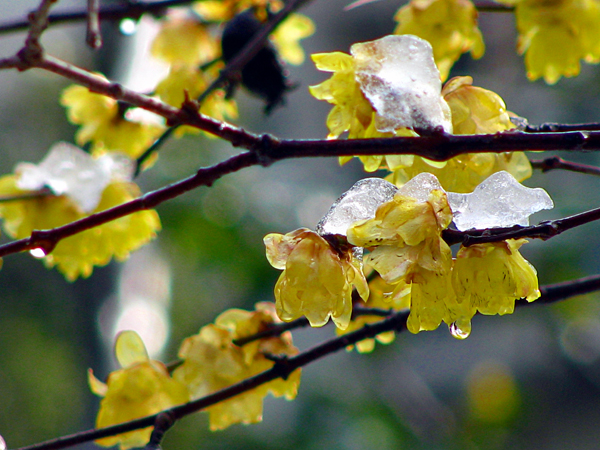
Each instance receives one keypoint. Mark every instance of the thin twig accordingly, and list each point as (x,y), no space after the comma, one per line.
(555,162)
(93,37)
(130,9)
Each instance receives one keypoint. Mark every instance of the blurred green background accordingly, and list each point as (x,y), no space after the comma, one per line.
(531,380)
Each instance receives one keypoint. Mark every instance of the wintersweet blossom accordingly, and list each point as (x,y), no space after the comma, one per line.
(107,124)
(474,111)
(184,41)
(490,277)
(141,387)
(450,26)
(556,34)
(317,279)
(82,186)
(211,361)
(408,252)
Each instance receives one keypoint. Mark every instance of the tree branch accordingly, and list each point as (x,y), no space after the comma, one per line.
(123,10)
(395,322)
(544,230)
(555,162)
(93,37)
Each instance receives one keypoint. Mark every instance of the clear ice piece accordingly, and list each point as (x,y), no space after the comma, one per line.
(398,75)
(68,170)
(499,201)
(357,203)
(420,186)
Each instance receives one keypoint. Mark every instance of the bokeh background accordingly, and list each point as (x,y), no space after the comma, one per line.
(530,380)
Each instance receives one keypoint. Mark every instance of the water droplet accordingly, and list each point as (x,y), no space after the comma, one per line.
(128,26)
(457,332)
(37,253)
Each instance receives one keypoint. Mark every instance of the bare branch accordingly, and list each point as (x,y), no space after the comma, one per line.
(555,162)
(133,10)
(93,37)
(544,230)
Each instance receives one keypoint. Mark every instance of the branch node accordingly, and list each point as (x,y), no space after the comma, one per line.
(265,148)
(281,366)
(42,239)
(162,423)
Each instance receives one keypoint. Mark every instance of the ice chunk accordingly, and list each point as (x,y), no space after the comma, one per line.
(499,201)
(358,203)
(68,170)
(420,186)
(398,75)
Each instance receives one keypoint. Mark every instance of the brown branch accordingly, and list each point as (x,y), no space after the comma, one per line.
(395,322)
(555,162)
(47,239)
(130,9)
(544,230)
(552,293)
(490,6)
(93,37)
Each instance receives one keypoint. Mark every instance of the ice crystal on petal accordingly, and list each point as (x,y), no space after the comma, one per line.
(421,186)
(357,203)
(68,170)
(499,201)
(398,75)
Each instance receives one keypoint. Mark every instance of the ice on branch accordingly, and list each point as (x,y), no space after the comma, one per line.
(499,201)
(357,203)
(68,170)
(398,75)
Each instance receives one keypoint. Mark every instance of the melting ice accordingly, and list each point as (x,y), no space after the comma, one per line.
(68,170)
(499,201)
(357,203)
(398,75)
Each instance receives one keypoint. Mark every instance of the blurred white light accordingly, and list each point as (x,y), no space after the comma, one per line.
(128,26)
(37,252)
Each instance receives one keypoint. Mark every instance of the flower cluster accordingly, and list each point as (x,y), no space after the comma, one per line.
(406,249)
(80,185)
(210,361)
(473,110)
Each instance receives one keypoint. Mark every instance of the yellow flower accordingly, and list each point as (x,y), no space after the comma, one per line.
(77,255)
(556,34)
(184,41)
(408,252)
(317,279)
(142,387)
(224,10)
(352,112)
(403,221)
(212,362)
(474,111)
(449,25)
(191,80)
(104,123)
(287,35)
(490,277)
